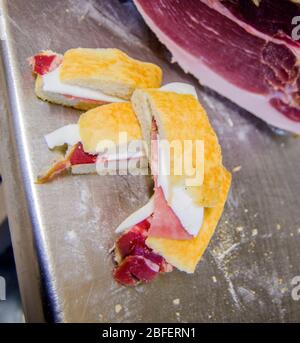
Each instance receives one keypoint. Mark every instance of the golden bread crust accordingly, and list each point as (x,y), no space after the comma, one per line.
(98,67)
(185,254)
(181,117)
(105,122)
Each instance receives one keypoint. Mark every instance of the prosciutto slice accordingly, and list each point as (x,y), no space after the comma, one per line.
(136,261)
(45,62)
(243,51)
(165,223)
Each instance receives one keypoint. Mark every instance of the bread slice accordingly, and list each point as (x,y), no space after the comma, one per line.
(109,70)
(181,117)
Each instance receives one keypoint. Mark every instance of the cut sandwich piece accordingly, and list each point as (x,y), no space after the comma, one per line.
(181,218)
(180,117)
(94,143)
(86,78)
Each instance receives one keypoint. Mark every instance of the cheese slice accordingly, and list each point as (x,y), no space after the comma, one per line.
(180,88)
(52,83)
(68,134)
(136,217)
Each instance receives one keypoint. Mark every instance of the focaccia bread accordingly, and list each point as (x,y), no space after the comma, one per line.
(181,117)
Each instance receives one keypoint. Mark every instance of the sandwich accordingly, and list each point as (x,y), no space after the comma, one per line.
(174,228)
(86,78)
(106,140)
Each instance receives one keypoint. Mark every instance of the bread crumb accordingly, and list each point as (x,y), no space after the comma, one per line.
(246,210)
(118,308)
(230,122)
(239,229)
(298,230)
(236,169)
(278,226)
(178,314)
(214,279)
(176,301)
(254,232)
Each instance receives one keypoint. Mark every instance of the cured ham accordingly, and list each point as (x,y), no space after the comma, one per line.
(76,156)
(243,51)
(136,261)
(165,224)
(45,62)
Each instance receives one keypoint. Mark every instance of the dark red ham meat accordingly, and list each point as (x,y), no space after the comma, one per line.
(44,63)
(136,261)
(79,156)
(243,51)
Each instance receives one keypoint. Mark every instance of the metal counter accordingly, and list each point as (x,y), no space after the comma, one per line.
(62,231)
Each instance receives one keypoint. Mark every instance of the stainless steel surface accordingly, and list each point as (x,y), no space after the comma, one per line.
(245,274)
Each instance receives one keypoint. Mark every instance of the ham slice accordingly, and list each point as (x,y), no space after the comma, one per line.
(243,51)
(76,156)
(136,261)
(45,62)
(134,269)
(165,223)
(79,156)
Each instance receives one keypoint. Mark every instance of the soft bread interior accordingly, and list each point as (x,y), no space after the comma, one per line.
(143,111)
(109,70)
(181,117)
(61,99)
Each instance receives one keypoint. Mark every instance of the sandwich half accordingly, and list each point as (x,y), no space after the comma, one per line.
(86,78)
(174,228)
(106,139)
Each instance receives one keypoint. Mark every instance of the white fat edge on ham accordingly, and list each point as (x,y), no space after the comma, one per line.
(137,217)
(52,83)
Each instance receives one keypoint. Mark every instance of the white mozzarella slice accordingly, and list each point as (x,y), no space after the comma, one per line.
(189,214)
(52,83)
(68,134)
(180,87)
(136,217)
